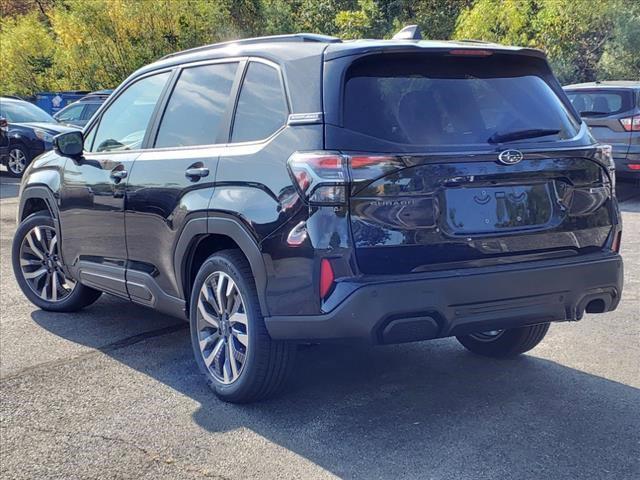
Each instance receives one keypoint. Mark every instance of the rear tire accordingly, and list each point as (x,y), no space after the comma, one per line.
(233,350)
(505,343)
(38,268)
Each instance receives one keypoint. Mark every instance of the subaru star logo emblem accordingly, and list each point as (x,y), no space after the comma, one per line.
(510,157)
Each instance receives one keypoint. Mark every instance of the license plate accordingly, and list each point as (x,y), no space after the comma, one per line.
(496,209)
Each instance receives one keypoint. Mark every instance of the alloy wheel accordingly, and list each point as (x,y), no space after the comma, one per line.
(41,265)
(17,161)
(223,329)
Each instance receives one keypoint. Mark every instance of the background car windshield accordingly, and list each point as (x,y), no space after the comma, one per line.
(445,101)
(23,112)
(595,103)
(72,112)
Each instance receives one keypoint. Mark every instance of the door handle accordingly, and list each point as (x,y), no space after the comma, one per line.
(118,175)
(195,173)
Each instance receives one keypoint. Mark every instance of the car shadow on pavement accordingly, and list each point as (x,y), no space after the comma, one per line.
(425,410)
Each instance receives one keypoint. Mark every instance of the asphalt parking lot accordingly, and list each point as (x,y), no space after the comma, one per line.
(112,392)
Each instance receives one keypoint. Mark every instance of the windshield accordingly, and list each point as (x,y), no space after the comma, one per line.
(440,100)
(23,112)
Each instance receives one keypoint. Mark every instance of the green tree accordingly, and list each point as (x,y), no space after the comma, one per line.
(574,34)
(318,16)
(502,21)
(581,37)
(620,59)
(27,55)
(366,22)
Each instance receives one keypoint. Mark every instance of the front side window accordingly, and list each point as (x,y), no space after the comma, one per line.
(197,106)
(124,123)
(262,108)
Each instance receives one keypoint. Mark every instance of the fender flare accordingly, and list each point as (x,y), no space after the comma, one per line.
(232,228)
(42,193)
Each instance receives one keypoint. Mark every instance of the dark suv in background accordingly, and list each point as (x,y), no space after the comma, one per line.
(612,111)
(297,188)
(25,132)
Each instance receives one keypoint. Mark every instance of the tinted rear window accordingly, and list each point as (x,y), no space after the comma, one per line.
(438,100)
(599,103)
(262,108)
(195,111)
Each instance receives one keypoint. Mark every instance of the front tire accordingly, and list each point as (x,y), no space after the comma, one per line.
(232,347)
(17,160)
(38,268)
(505,343)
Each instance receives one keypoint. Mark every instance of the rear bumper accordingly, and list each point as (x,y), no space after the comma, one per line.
(622,164)
(458,302)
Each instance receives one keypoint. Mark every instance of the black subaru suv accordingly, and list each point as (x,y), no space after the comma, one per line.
(302,189)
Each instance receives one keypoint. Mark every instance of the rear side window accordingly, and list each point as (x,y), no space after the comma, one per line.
(262,108)
(438,100)
(598,103)
(197,106)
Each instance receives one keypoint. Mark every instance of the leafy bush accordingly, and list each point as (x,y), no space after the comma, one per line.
(91,44)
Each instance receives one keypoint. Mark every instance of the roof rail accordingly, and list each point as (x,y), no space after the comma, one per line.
(295,37)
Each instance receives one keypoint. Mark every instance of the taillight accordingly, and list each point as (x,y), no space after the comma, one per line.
(634,166)
(631,124)
(326,278)
(368,167)
(323,177)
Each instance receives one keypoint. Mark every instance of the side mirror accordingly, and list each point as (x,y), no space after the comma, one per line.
(69,144)
(3,123)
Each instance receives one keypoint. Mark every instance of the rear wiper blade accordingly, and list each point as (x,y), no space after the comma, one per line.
(521,134)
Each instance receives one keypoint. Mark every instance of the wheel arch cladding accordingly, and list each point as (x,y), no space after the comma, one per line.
(34,199)
(201,237)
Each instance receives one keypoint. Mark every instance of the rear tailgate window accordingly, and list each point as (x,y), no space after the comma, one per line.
(439,100)
(600,103)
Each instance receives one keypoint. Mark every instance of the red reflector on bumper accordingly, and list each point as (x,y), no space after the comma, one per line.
(326,277)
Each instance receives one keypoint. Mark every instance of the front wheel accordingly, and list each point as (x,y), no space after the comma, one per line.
(232,347)
(17,160)
(505,343)
(39,271)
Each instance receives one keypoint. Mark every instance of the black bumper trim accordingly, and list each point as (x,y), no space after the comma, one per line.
(464,302)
